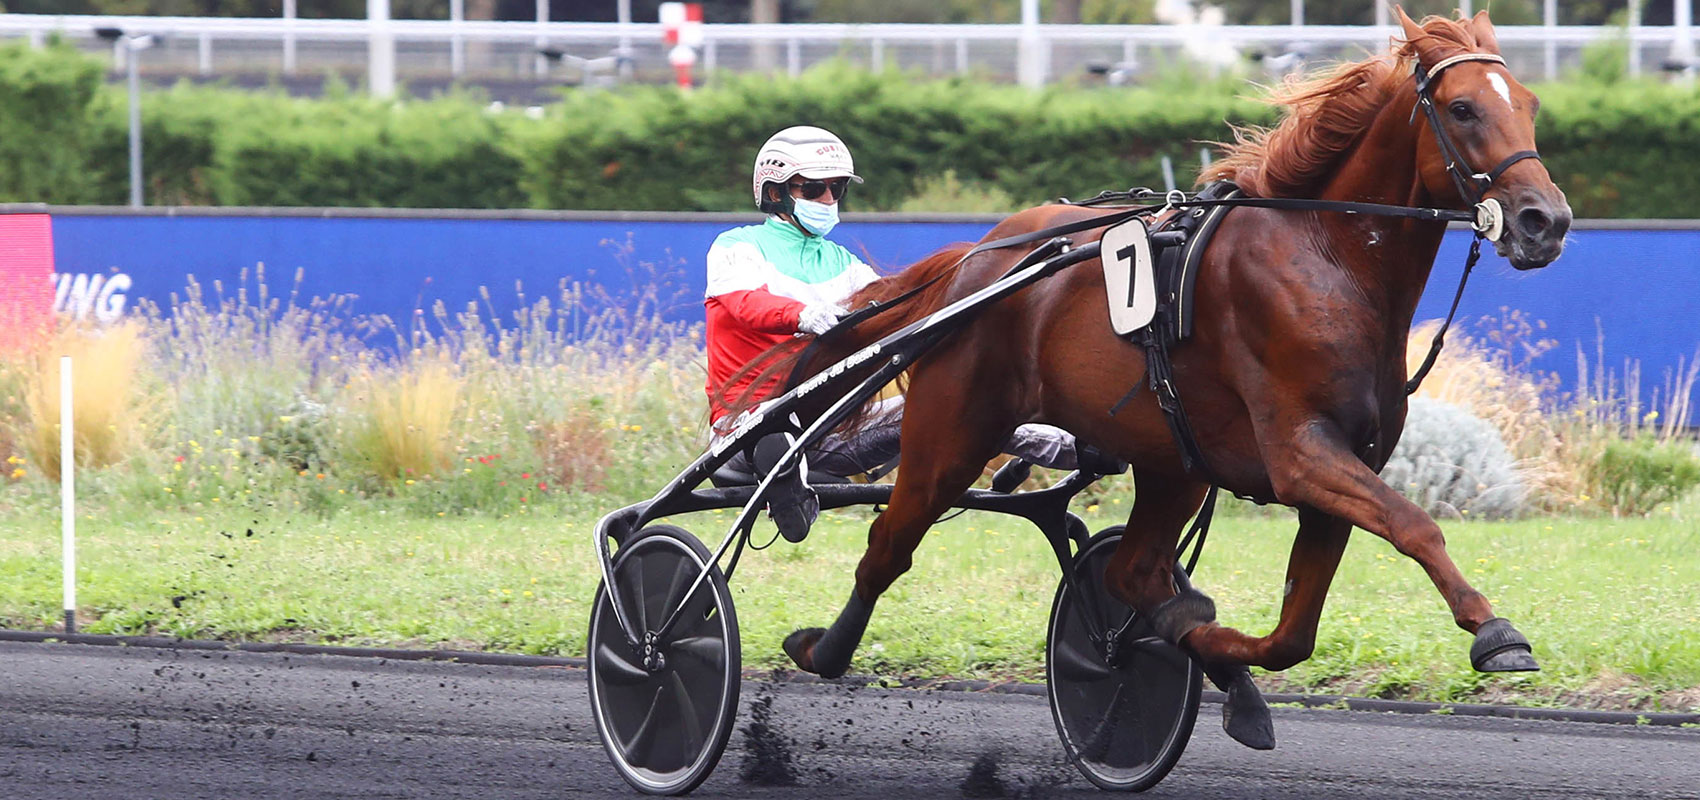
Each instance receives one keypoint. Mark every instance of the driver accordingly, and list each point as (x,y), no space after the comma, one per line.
(783,278)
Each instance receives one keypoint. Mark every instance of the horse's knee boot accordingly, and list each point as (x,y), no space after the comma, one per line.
(827,653)
(1500,648)
(1245,715)
(1179,615)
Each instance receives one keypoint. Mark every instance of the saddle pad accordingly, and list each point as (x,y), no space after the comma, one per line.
(1129,279)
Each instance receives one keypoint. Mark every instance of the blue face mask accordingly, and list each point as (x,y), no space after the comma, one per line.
(817,218)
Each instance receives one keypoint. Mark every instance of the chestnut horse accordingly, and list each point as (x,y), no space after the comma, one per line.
(1293,379)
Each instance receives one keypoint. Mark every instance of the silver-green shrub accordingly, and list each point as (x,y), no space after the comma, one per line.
(1452,463)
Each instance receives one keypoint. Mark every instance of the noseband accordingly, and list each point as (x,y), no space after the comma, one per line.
(1490,217)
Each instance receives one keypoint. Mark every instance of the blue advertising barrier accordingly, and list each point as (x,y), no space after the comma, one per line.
(1637,284)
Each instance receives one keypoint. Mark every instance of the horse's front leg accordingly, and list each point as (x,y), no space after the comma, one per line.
(1315,468)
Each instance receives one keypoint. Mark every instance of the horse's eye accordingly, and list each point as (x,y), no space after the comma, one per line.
(1462,111)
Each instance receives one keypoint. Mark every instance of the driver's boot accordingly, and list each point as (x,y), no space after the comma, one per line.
(791,504)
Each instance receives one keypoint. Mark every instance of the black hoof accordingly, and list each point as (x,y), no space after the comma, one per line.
(798,646)
(1500,648)
(1245,716)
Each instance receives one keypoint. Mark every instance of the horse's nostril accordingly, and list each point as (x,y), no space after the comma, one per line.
(1533,221)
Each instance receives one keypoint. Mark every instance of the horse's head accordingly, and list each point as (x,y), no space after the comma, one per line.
(1486,118)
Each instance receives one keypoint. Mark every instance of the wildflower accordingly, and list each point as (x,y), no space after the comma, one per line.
(542,487)
(168,490)
(525,475)
(1092,509)
(17,473)
(14,460)
(179,459)
(528,593)
(409,481)
(218,431)
(321,476)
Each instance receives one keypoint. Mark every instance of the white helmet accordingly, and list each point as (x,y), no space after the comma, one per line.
(799,150)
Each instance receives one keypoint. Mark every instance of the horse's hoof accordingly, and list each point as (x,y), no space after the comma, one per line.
(1500,648)
(799,646)
(1245,715)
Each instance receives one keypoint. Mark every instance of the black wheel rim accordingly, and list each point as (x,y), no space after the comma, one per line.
(665,711)
(1124,723)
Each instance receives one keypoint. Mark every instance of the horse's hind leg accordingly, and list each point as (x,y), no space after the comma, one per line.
(1141,573)
(958,441)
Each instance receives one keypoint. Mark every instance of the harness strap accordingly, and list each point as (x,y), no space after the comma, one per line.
(1439,341)
(1342,206)
(1200,530)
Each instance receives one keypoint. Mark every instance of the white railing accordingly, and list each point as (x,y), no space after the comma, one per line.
(529,50)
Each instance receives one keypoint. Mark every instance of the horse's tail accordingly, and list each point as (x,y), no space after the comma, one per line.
(797,360)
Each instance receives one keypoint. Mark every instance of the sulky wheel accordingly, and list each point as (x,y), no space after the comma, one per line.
(1124,709)
(665,711)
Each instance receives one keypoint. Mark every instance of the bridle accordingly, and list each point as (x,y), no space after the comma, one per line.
(1472,186)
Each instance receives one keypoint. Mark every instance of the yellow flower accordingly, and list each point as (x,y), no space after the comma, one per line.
(17,473)
(218,431)
(409,481)
(168,489)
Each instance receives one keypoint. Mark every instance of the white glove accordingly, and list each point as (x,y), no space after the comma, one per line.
(818,318)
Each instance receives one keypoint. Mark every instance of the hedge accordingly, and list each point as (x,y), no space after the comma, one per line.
(1619,150)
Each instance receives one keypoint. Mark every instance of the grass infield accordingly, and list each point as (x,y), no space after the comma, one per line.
(1608,603)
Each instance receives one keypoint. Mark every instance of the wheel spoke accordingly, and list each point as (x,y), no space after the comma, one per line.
(638,748)
(1072,664)
(638,594)
(684,573)
(710,650)
(1097,745)
(688,717)
(614,668)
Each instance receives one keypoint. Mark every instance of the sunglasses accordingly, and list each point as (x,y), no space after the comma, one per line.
(813,189)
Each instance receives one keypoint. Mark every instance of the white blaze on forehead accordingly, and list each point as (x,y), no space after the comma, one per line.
(1500,86)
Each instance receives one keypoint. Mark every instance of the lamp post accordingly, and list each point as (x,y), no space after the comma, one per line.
(132,46)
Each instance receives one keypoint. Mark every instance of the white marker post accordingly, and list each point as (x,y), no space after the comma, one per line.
(68,491)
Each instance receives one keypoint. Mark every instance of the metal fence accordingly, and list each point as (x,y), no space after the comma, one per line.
(579,52)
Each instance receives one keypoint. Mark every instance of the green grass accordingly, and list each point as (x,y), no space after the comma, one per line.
(1607,602)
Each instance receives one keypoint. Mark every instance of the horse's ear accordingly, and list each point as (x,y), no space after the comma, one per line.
(1413,31)
(1482,28)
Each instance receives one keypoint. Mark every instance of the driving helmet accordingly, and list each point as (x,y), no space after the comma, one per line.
(799,150)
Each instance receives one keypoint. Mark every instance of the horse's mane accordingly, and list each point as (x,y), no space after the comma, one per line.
(1326,114)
